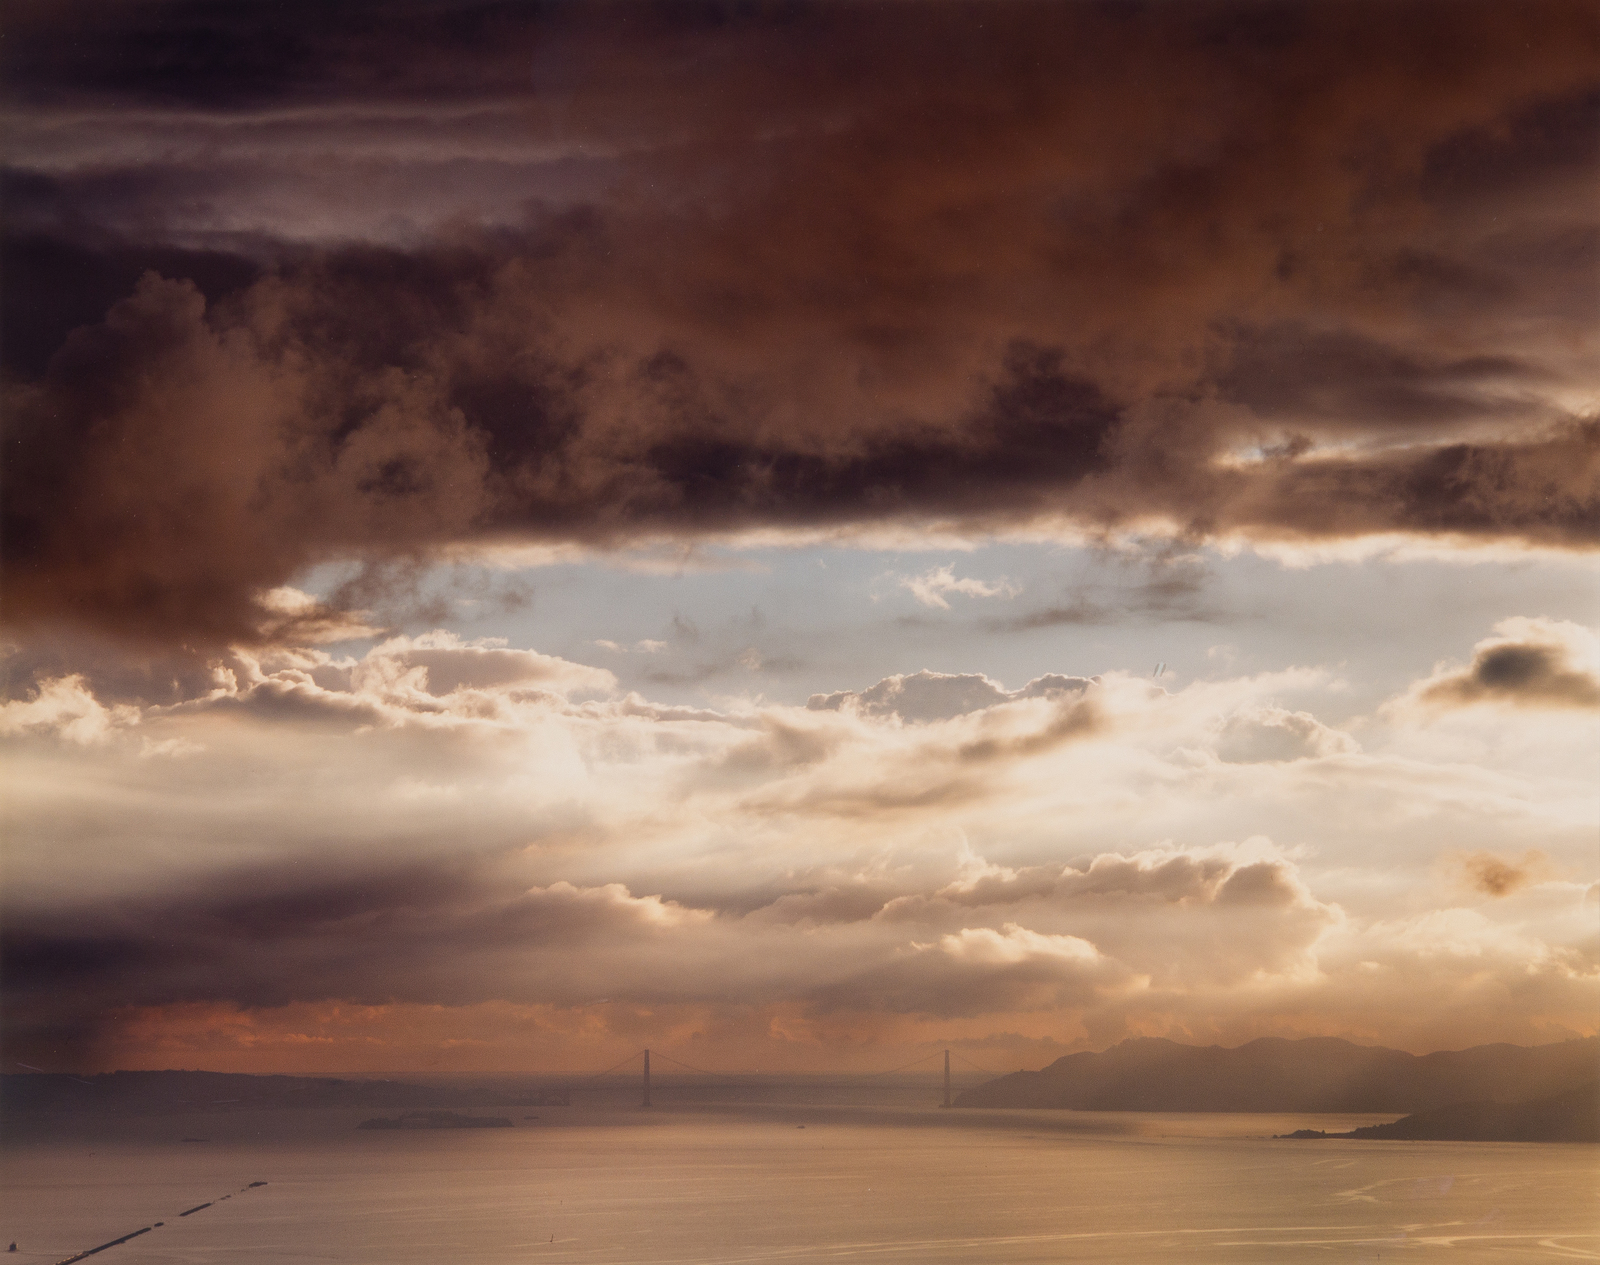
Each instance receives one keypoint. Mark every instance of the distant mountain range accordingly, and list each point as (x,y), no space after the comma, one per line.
(1573,1116)
(156,1092)
(1317,1074)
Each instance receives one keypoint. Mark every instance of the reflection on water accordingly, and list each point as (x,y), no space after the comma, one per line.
(785,1182)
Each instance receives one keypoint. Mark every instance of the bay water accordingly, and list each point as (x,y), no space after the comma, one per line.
(745,1183)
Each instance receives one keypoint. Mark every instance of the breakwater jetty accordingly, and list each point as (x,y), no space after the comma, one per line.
(92,1251)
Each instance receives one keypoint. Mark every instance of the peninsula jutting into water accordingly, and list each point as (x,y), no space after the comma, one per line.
(1570,1117)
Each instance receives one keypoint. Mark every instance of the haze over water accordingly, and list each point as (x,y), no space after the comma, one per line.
(722,1183)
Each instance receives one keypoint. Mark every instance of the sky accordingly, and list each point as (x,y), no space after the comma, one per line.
(796,535)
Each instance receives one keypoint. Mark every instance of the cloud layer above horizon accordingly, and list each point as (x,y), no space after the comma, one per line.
(472,274)
(344,343)
(445,824)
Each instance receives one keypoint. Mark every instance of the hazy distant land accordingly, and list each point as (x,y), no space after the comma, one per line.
(183,1091)
(1488,1092)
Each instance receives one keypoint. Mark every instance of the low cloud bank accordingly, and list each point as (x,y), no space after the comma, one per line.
(467,825)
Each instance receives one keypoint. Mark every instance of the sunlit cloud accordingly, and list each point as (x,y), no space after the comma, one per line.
(933,587)
(776,859)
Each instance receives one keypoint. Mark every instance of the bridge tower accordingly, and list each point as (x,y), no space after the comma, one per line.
(946,1078)
(647,1079)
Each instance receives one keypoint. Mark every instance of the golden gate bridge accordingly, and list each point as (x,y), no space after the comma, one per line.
(615,1072)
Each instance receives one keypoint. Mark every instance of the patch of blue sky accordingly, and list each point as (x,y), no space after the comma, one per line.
(784,623)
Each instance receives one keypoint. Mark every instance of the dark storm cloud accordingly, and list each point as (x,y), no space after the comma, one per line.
(1546,140)
(1534,672)
(457,932)
(462,933)
(1338,377)
(1544,488)
(209,55)
(54,285)
(440,932)
(717,268)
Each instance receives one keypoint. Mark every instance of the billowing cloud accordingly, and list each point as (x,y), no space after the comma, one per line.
(441,663)
(1076,268)
(466,825)
(1271,733)
(63,707)
(983,970)
(1528,663)
(929,696)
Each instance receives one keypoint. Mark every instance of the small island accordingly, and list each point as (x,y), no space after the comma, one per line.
(436,1120)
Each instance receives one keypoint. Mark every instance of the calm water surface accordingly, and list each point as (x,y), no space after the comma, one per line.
(751,1185)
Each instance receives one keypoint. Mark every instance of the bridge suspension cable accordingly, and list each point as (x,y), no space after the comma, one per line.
(613,1067)
(974,1066)
(730,1077)
(749,1078)
(866,1076)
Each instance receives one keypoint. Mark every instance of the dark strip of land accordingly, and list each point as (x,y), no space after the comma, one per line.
(1570,1117)
(1316,1074)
